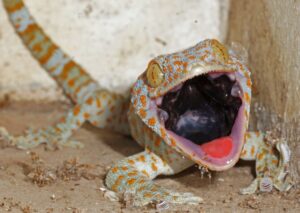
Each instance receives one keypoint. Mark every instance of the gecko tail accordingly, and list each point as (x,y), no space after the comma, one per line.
(76,82)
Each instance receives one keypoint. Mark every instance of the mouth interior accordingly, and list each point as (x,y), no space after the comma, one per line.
(203,110)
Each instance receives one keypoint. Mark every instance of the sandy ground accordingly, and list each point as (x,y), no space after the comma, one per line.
(69,180)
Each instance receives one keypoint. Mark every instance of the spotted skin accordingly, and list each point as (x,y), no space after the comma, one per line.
(133,114)
(272,162)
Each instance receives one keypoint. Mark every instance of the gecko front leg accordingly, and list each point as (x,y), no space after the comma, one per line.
(272,160)
(134,175)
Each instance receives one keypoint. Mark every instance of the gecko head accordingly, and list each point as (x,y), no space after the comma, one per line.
(197,100)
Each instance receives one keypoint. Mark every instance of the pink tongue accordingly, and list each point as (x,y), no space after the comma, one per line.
(218,148)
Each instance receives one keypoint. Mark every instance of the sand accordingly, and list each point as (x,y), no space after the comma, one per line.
(70,180)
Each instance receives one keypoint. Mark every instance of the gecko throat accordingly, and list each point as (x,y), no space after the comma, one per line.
(203,108)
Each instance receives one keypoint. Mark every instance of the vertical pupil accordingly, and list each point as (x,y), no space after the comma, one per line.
(153,74)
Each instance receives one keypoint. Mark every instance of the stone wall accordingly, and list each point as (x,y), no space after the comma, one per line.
(270,31)
(113,40)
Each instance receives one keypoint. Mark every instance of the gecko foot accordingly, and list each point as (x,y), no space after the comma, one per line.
(270,176)
(33,138)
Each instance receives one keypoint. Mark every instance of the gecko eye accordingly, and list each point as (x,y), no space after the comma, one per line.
(154,75)
(220,50)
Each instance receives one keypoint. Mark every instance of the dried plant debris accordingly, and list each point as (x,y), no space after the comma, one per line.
(71,170)
(10,205)
(250,202)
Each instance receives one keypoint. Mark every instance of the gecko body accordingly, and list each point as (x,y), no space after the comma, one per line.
(189,107)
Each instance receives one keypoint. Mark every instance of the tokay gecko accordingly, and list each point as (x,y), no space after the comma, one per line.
(189,107)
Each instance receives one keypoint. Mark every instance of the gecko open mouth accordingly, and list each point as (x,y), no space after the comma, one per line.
(203,110)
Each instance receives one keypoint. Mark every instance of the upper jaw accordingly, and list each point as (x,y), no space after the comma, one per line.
(192,70)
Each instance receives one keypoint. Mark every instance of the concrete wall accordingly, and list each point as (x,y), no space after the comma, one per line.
(270,31)
(113,40)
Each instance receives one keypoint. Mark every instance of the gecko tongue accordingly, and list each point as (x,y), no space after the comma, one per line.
(218,148)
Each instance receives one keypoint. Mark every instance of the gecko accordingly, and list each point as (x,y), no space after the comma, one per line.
(187,108)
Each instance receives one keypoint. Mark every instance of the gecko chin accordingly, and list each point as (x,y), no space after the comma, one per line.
(204,114)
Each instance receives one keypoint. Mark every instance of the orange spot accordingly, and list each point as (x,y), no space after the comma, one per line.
(138,91)
(135,102)
(120,178)
(37,47)
(275,162)
(176,76)
(44,59)
(141,188)
(114,170)
(152,121)
(170,67)
(145,173)
(178,63)
(157,142)
(148,195)
(66,70)
(14,7)
(257,133)
(114,187)
(153,166)
(202,58)
(143,100)
(163,133)
(58,130)
(173,142)
(86,83)
(71,82)
(134,173)
(89,101)
(247,97)
(131,162)
(249,83)
(246,73)
(141,181)
(192,57)
(142,113)
(131,181)
(142,158)
(86,115)
(76,110)
(124,168)
(260,156)
(247,135)
(252,150)
(98,103)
